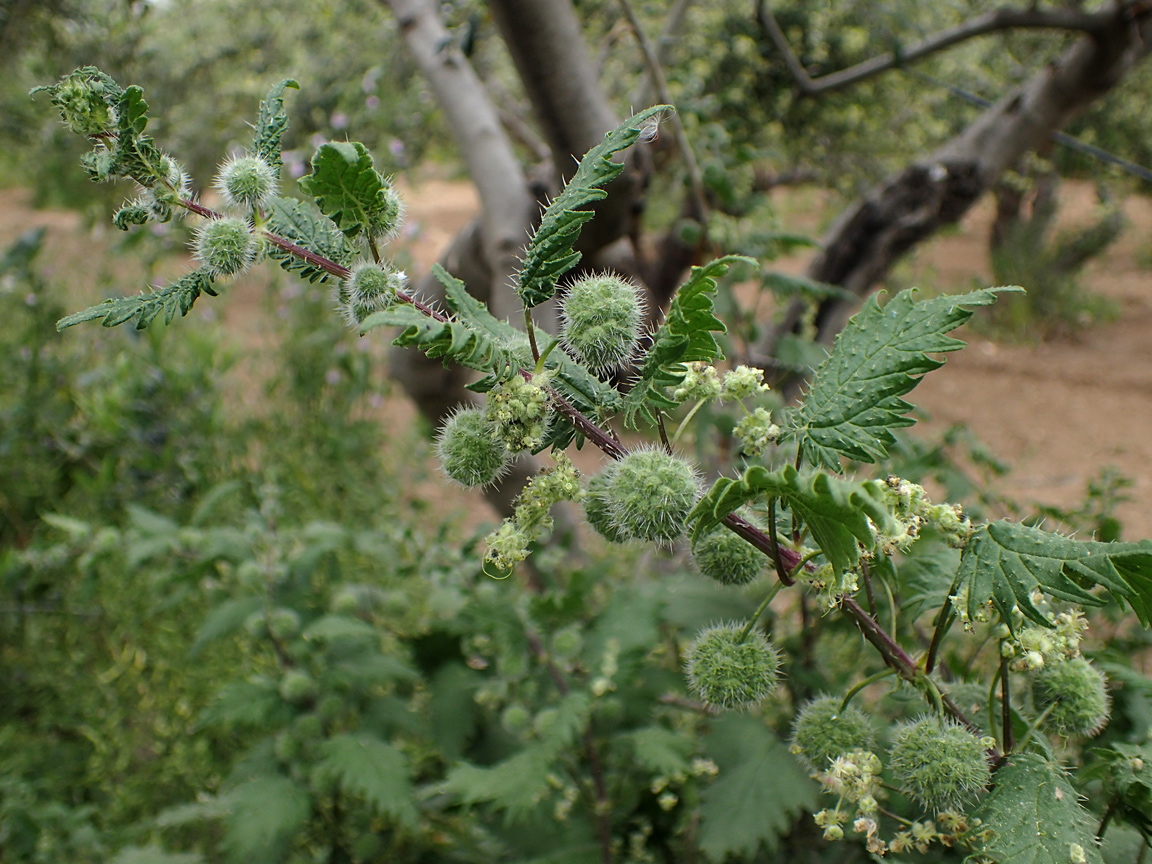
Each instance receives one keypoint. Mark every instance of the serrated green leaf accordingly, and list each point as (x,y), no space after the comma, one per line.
(346,186)
(836,511)
(514,786)
(550,254)
(684,337)
(881,355)
(373,770)
(758,794)
(475,340)
(135,155)
(76,529)
(225,619)
(271,123)
(660,750)
(1035,817)
(265,815)
(1005,561)
(246,704)
(170,300)
(303,224)
(197,811)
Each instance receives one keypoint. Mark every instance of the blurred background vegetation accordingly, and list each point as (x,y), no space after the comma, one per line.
(187,521)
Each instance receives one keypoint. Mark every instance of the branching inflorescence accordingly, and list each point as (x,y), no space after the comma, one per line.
(789,509)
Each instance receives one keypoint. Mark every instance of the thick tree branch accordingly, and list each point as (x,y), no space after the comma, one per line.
(996,21)
(864,243)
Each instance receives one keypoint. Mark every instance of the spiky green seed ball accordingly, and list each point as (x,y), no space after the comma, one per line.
(368,288)
(822,732)
(729,673)
(726,557)
(598,510)
(601,321)
(939,763)
(297,687)
(385,223)
(246,181)
(469,451)
(650,494)
(283,623)
(225,246)
(1077,693)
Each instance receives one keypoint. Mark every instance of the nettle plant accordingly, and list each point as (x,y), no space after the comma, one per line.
(957,733)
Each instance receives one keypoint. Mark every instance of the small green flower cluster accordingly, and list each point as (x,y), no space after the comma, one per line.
(1033,647)
(518,411)
(507,546)
(913,509)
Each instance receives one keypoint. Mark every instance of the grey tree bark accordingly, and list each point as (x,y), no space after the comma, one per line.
(867,240)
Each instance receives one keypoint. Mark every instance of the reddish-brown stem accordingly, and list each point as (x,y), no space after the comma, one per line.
(895,656)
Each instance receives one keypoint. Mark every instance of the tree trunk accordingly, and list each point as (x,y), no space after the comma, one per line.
(868,239)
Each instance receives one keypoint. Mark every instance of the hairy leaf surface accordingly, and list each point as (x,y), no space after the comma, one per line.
(265,816)
(515,785)
(306,226)
(550,254)
(684,337)
(1035,816)
(373,770)
(881,355)
(346,186)
(1004,561)
(169,301)
(836,511)
(760,792)
(270,125)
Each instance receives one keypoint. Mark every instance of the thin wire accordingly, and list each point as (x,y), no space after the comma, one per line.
(1059,137)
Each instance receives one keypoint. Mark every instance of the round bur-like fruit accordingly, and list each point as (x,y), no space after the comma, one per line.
(246,181)
(368,288)
(726,557)
(601,321)
(650,494)
(598,510)
(469,451)
(726,672)
(940,764)
(1075,694)
(822,732)
(225,246)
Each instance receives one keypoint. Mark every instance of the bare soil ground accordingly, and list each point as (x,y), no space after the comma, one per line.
(1059,412)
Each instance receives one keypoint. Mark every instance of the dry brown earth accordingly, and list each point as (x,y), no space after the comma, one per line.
(1058,411)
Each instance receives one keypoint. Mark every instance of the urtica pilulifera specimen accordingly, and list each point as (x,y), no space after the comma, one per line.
(729,671)
(650,494)
(469,450)
(939,763)
(822,731)
(1075,694)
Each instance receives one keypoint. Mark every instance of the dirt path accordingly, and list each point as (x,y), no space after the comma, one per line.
(1058,412)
